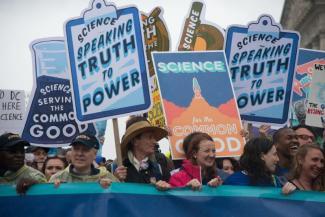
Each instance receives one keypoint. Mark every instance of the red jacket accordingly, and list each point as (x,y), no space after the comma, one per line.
(187,172)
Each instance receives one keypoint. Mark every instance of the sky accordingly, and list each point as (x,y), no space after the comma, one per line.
(22,21)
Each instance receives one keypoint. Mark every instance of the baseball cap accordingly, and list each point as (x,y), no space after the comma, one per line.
(8,140)
(86,139)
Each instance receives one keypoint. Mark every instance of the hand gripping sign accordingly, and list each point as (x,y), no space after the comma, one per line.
(107,62)
(262,61)
(50,120)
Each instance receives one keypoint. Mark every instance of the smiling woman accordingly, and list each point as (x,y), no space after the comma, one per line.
(308,166)
(199,167)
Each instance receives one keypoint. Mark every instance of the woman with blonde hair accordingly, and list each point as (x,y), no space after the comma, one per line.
(307,170)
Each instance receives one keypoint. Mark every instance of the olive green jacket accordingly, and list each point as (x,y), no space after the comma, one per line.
(25,171)
(67,175)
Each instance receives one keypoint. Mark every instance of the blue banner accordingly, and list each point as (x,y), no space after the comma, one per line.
(121,199)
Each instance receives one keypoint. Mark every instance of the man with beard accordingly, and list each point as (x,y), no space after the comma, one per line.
(12,167)
(286,142)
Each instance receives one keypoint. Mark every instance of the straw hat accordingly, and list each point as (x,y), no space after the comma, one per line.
(138,128)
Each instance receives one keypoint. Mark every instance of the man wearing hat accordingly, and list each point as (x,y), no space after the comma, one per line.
(81,169)
(138,153)
(12,166)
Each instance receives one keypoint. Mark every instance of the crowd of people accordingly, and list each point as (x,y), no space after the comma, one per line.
(289,159)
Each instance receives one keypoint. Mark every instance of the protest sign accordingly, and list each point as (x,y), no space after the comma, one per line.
(302,81)
(127,199)
(262,59)
(107,62)
(315,115)
(199,34)
(203,102)
(51,121)
(156,39)
(12,110)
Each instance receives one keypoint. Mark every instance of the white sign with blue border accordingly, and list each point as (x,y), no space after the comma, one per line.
(262,60)
(107,62)
(51,121)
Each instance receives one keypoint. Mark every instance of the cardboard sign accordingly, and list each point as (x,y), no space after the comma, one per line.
(199,34)
(12,110)
(262,61)
(107,62)
(156,39)
(51,120)
(204,102)
(301,85)
(316,100)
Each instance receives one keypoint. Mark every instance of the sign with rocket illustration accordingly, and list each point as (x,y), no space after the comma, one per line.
(205,102)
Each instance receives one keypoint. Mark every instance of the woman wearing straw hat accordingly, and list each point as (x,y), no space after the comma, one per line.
(138,149)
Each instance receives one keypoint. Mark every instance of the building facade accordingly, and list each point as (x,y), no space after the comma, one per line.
(308,18)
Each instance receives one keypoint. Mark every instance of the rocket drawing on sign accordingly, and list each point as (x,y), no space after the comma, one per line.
(196,89)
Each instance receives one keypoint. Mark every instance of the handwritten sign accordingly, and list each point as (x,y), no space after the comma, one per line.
(262,61)
(51,121)
(301,85)
(12,110)
(107,62)
(316,101)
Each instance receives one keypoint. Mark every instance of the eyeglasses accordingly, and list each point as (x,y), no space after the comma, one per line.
(306,137)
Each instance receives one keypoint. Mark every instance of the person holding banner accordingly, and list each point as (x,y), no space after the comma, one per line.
(307,170)
(199,167)
(83,153)
(138,153)
(258,162)
(12,166)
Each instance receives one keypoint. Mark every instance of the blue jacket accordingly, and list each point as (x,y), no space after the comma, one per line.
(241,178)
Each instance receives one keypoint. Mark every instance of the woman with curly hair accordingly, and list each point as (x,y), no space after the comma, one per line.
(308,170)
(258,163)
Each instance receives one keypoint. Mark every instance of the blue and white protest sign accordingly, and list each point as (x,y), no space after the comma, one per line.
(107,62)
(262,59)
(12,110)
(51,121)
